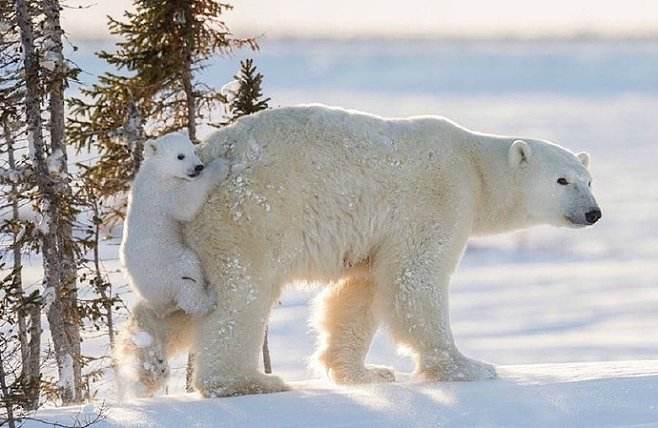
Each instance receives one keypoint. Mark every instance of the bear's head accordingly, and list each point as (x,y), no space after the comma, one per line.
(173,155)
(556,184)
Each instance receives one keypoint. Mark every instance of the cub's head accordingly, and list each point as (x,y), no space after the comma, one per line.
(556,184)
(173,155)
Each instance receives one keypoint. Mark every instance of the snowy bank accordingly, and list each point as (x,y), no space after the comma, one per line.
(620,393)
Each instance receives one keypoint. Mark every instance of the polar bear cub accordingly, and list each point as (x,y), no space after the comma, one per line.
(169,189)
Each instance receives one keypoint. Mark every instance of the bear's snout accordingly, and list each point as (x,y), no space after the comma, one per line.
(196,171)
(593,215)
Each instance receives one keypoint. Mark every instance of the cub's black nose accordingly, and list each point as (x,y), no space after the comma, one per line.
(593,216)
(198,168)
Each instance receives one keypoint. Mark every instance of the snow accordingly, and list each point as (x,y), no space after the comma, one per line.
(549,395)
(142,339)
(4,26)
(54,162)
(11,175)
(230,90)
(26,212)
(568,316)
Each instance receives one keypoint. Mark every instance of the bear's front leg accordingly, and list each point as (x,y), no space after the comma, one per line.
(230,338)
(413,292)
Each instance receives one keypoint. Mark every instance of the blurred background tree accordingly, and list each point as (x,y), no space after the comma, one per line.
(163,44)
(245,94)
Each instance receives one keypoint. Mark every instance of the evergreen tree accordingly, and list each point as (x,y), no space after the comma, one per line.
(247,98)
(164,43)
(20,308)
(45,74)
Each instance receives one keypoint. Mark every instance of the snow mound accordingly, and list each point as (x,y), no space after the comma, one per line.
(574,394)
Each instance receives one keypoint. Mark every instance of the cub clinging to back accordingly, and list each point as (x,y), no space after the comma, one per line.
(169,189)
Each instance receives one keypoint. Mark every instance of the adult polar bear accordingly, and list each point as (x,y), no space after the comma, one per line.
(380,209)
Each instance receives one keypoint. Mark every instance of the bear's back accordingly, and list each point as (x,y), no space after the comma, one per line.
(315,127)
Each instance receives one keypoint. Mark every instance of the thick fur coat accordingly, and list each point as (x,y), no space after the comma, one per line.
(378,209)
(169,190)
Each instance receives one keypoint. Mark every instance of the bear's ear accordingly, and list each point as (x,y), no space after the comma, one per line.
(584,158)
(519,152)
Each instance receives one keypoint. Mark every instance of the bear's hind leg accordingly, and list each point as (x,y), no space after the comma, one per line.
(140,353)
(346,323)
(144,346)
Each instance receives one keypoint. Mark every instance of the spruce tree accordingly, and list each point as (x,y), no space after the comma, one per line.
(164,43)
(247,98)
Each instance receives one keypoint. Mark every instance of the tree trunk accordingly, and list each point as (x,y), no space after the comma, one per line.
(188,85)
(191,102)
(17,281)
(57,247)
(68,288)
(34,362)
(30,340)
(134,135)
(189,373)
(267,362)
(8,404)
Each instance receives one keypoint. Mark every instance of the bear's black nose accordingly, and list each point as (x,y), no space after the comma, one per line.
(593,216)
(198,168)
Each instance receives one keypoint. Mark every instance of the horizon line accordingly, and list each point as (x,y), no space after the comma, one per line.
(570,36)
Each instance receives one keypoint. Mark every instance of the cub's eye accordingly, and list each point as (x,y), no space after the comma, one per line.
(589,184)
(181,156)
(562,181)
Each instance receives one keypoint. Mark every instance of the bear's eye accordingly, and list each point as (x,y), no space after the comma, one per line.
(562,181)
(589,184)
(181,156)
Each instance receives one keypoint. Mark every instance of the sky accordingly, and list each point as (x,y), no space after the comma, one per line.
(392,18)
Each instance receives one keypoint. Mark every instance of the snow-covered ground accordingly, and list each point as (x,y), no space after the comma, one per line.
(537,297)
(550,395)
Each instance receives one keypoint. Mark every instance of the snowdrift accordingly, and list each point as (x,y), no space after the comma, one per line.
(596,394)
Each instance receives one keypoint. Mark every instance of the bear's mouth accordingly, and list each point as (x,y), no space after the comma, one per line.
(572,222)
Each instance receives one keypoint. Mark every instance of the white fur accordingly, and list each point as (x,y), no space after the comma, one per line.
(167,192)
(381,209)
(144,347)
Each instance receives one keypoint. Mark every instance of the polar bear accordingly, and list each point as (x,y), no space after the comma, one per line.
(378,209)
(169,189)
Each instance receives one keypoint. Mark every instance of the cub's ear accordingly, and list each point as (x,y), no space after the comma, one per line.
(150,148)
(519,152)
(584,158)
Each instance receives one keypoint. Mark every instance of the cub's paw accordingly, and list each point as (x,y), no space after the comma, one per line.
(142,364)
(256,383)
(153,372)
(219,169)
(195,300)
